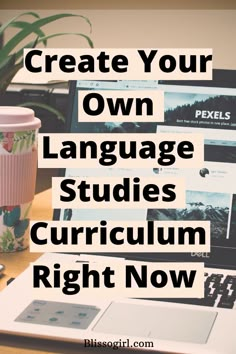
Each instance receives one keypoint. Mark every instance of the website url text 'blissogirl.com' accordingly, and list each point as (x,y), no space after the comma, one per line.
(93,343)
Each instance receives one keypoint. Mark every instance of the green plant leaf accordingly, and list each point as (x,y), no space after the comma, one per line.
(7,76)
(12,43)
(48,108)
(9,23)
(90,42)
(24,24)
(6,68)
(8,62)
(9,67)
(19,54)
(39,40)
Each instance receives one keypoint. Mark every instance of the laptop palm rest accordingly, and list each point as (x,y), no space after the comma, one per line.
(157,322)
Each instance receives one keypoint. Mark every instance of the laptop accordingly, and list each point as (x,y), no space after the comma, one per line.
(204,325)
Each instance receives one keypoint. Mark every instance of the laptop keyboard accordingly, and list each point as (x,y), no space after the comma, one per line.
(220,291)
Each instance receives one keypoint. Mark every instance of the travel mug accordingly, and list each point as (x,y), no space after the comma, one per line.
(18,169)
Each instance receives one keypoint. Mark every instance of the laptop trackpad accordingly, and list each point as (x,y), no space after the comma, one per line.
(159,322)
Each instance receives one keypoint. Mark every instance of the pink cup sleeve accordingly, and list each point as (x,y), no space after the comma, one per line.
(17,178)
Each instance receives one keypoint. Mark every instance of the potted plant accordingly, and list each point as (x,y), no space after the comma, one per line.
(11,53)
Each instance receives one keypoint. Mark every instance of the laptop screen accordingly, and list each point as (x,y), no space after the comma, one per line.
(206,107)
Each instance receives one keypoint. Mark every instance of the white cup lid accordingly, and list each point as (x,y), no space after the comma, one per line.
(14,119)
